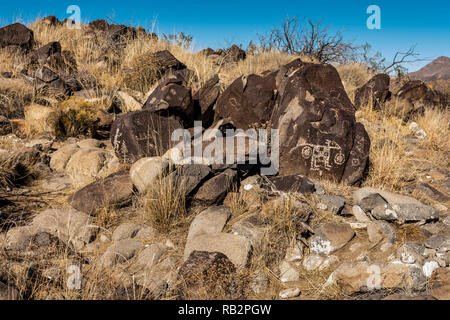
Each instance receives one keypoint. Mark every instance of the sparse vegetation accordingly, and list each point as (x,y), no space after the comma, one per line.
(399,162)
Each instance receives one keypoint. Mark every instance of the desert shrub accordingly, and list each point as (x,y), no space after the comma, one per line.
(76,118)
(142,73)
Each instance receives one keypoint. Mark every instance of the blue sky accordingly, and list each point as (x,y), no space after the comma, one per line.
(220,23)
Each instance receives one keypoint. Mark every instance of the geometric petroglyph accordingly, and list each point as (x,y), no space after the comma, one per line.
(320,155)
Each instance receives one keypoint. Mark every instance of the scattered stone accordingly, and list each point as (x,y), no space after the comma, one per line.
(237,248)
(150,256)
(87,165)
(61,157)
(360,215)
(290,293)
(440,242)
(379,231)
(294,253)
(312,262)
(429,267)
(288,273)
(260,282)
(115,190)
(145,172)
(393,207)
(294,183)
(330,237)
(215,190)
(70,226)
(252,228)
(126,231)
(353,277)
(211,221)
(207,273)
(120,252)
(188,177)
(411,253)
(335,204)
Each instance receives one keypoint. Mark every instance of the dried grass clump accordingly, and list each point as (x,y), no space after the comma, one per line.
(436,124)
(142,73)
(353,76)
(165,206)
(76,117)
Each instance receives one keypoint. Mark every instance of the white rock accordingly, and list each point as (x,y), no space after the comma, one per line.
(312,262)
(429,267)
(288,273)
(290,293)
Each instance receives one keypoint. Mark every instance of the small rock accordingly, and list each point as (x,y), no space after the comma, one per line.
(290,293)
(379,231)
(211,220)
(288,273)
(429,267)
(251,228)
(144,172)
(334,204)
(360,215)
(440,242)
(411,253)
(120,252)
(237,248)
(312,262)
(260,282)
(150,256)
(330,237)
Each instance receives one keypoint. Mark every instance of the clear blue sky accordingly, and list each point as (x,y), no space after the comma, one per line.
(219,23)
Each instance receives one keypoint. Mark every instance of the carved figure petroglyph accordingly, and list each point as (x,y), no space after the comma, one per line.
(320,155)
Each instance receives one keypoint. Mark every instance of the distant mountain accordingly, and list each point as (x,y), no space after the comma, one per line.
(439,69)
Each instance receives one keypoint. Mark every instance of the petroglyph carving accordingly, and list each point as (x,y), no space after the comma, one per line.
(320,155)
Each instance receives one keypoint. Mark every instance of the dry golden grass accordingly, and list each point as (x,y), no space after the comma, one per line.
(436,124)
(353,76)
(165,205)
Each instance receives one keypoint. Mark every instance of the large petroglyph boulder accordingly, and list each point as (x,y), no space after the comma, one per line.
(319,135)
(141,134)
(248,100)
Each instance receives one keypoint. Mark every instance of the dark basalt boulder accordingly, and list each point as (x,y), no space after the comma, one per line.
(16,36)
(172,98)
(248,101)
(141,134)
(205,99)
(115,190)
(319,136)
(375,92)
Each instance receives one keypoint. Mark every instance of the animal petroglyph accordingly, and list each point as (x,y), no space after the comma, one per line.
(320,155)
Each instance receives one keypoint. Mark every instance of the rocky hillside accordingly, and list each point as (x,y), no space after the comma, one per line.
(438,69)
(98,201)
